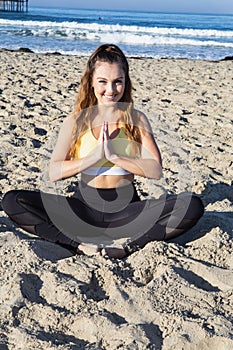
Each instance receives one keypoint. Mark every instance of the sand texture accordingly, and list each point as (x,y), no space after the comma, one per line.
(171,296)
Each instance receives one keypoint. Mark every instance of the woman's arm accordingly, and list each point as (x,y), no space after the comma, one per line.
(60,166)
(149,164)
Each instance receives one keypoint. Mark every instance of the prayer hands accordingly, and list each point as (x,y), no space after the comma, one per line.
(105,144)
(108,148)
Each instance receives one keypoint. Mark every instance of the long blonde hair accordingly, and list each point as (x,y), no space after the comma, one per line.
(86,99)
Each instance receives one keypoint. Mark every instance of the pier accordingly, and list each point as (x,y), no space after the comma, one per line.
(14,5)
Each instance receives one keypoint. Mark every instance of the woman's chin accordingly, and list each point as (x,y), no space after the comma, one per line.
(110,103)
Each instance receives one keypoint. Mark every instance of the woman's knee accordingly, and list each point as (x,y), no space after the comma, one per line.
(197,206)
(9,200)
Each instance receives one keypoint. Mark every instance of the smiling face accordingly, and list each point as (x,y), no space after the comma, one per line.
(108,82)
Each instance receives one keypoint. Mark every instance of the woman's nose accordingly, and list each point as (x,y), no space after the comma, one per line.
(110,88)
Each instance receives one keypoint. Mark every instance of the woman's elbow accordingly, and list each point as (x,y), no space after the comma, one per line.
(53,174)
(157,172)
(52,177)
(157,175)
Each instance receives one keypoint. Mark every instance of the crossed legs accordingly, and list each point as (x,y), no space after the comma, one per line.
(160,219)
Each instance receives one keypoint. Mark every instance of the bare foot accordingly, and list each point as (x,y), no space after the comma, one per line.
(89,249)
(113,252)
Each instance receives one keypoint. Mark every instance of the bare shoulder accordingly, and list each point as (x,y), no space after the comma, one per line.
(69,119)
(64,138)
(68,123)
(65,130)
(143,122)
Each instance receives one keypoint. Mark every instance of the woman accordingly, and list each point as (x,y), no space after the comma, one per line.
(107,141)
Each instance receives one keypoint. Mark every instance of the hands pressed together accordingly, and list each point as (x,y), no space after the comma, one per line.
(105,148)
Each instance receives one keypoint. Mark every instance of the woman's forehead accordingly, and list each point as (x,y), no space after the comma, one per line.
(108,68)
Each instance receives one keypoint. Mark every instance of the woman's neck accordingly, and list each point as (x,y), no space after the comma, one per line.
(106,114)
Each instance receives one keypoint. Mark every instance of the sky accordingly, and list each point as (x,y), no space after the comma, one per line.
(194,6)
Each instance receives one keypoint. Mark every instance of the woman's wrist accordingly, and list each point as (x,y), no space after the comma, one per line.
(114,158)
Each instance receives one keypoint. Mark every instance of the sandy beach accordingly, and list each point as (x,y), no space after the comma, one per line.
(174,295)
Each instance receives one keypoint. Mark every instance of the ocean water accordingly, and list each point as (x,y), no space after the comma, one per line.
(147,34)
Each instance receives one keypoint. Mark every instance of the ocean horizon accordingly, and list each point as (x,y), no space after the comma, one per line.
(139,33)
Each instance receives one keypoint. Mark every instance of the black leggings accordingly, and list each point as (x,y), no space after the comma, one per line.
(102,216)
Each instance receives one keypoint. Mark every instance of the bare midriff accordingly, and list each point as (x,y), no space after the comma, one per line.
(107,181)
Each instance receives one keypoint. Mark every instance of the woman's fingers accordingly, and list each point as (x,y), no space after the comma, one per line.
(106,131)
(101,136)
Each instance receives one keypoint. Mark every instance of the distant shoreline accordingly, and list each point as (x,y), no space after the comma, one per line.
(140,34)
(56,53)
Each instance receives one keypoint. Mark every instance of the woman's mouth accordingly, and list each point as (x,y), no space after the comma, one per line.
(109,98)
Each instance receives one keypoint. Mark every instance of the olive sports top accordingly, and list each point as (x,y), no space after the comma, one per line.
(121,145)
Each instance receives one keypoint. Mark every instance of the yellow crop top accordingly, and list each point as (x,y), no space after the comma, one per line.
(121,145)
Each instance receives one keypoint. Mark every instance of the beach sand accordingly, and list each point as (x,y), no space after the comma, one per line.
(174,295)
